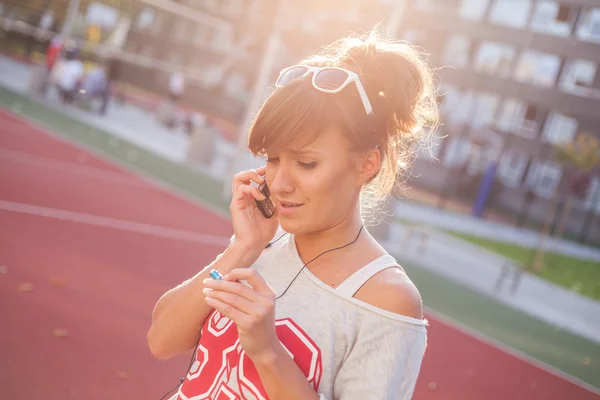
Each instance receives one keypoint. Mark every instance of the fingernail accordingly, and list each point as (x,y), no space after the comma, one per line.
(206,291)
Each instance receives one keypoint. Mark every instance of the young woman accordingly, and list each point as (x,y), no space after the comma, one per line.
(310,305)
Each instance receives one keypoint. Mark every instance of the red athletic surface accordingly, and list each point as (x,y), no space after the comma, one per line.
(112,278)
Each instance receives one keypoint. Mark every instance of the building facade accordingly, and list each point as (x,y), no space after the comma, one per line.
(220,45)
(516,78)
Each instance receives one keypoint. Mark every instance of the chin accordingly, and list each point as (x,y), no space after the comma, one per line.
(302,226)
(295,226)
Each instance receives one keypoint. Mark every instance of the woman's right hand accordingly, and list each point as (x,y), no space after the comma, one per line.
(252,230)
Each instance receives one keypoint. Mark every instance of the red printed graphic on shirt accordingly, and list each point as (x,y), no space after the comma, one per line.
(222,370)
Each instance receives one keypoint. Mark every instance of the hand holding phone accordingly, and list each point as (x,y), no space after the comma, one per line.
(253,214)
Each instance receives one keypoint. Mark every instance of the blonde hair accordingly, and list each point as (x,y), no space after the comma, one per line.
(400,87)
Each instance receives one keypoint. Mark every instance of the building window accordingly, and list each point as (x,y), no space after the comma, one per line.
(494,59)
(518,118)
(449,97)
(473,10)
(157,25)
(544,177)
(145,19)
(578,77)
(458,152)
(456,51)
(559,128)
(530,124)
(460,110)
(221,41)
(511,13)
(537,68)
(486,106)
(589,26)
(511,168)
(553,18)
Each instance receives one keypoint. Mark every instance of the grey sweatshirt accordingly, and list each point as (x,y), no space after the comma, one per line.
(346,348)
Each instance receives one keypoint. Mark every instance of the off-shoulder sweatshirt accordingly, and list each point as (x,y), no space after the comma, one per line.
(346,348)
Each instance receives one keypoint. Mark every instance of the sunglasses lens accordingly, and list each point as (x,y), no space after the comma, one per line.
(290,75)
(330,79)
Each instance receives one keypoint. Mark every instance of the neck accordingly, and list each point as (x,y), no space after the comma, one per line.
(310,245)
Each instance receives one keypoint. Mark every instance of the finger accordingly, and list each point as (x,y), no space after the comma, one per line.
(233,300)
(245,177)
(247,192)
(227,310)
(253,278)
(233,287)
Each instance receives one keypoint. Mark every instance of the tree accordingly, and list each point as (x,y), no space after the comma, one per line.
(578,157)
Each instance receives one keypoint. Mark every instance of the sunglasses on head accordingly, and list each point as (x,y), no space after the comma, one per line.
(326,80)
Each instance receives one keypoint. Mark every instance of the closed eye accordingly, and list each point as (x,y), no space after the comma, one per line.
(308,165)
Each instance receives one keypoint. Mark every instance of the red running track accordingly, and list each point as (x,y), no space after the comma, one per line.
(112,270)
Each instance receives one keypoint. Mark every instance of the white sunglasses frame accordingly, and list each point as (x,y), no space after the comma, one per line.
(352,77)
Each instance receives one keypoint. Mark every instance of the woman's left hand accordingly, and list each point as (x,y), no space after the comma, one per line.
(252,309)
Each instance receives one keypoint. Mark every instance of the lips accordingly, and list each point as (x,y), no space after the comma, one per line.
(289,205)
(288,208)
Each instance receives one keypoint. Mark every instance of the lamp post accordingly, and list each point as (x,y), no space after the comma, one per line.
(258,95)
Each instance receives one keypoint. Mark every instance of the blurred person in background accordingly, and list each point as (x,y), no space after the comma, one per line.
(69,74)
(168,113)
(95,85)
(53,52)
(310,306)
(113,73)
(203,138)
(176,86)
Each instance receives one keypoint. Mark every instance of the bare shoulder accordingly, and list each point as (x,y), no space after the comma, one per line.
(393,291)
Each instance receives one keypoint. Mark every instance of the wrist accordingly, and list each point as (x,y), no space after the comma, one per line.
(269,358)
(243,255)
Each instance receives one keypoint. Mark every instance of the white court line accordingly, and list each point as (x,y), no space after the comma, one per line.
(113,223)
(169,188)
(458,326)
(42,128)
(73,168)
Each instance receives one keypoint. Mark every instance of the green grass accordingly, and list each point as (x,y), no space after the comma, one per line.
(578,275)
(181,176)
(567,352)
(570,353)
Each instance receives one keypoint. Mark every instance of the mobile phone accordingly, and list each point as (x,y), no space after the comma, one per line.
(266,206)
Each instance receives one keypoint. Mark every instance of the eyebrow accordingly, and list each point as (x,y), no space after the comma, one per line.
(305,152)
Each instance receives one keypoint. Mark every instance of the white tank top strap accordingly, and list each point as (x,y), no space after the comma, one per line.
(355,281)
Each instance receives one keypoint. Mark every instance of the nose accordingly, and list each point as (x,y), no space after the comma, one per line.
(282,181)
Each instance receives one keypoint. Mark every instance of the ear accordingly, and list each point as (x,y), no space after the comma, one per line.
(370,164)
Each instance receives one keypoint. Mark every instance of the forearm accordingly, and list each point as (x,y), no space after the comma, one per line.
(282,378)
(180,313)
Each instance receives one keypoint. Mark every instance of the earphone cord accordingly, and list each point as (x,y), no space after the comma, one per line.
(325,252)
(187,371)
(278,297)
